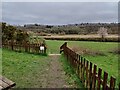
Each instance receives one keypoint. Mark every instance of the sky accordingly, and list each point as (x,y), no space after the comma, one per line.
(60,0)
(57,13)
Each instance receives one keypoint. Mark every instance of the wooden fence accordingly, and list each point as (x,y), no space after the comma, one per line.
(25,47)
(87,71)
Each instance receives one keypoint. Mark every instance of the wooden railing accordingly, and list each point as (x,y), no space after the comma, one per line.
(87,71)
(25,47)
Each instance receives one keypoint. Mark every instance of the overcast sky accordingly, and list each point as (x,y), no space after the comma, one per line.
(20,13)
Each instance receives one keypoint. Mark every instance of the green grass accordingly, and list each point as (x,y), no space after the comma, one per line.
(53,46)
(72,78)
(108,63)
(102,46)
(24,69)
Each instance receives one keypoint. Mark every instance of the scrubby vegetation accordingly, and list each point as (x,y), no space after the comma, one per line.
(82,28)
(12,34)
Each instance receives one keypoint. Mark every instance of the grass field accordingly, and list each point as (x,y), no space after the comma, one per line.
(108,63)
(32,71)
(21,67)
(53,46)
(24,69)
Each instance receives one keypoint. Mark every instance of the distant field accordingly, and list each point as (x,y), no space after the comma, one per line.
(79,36)
(53,46)
(109,38)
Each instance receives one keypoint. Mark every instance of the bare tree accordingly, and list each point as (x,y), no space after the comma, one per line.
(102,32)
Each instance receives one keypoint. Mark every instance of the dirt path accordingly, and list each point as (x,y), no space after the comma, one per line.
(55,75)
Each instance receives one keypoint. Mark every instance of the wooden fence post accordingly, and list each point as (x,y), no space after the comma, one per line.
(94,78)
(81,68)
(105,81)
(99,78)
(112,83)
(83,79)
(87,74)
(90,76)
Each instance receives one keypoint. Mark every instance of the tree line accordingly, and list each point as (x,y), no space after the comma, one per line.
(83,28)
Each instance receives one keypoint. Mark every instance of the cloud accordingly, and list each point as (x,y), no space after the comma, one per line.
(59,13)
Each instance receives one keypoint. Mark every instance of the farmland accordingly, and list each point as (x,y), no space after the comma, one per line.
(93,37)
(80,36)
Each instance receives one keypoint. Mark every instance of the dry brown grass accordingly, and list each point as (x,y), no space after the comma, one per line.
(95,37)
(86,51)
(80,36)
(115,51)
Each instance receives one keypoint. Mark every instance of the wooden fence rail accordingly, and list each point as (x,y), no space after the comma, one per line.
(87,71)
(25,47)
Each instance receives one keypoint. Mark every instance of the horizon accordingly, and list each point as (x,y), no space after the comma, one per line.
(62,24)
